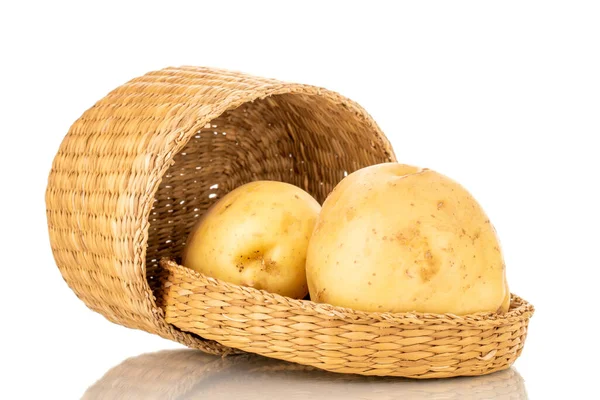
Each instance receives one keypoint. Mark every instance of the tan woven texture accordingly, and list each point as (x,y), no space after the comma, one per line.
(339,339)
(188,374)
(136,170)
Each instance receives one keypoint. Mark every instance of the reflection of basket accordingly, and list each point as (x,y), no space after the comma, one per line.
(162,375)
(185,374)
(138,168)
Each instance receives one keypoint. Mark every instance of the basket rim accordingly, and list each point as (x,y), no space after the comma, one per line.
(519,309)
(185,133)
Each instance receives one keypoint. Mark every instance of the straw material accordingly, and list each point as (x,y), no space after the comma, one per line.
(138,168)
(188,374)
(342,340)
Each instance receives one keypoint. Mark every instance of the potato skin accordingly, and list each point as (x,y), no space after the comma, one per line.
(257,235)
(397,238)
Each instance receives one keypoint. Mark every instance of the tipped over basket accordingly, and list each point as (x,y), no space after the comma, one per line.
(137,169)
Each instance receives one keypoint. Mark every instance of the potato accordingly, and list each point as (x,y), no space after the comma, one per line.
(256,235)
(397,238)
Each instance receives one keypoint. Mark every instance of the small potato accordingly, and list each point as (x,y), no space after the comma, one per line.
(398,238)
(257,236)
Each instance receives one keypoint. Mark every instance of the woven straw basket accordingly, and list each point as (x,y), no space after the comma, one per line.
(137,169)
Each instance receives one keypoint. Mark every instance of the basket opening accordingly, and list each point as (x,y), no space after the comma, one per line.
(309,141)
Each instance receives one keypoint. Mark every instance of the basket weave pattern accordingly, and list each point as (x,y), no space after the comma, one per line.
(136,170)
(339,339)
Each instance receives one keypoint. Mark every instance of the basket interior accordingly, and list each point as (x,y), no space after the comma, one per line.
(305,140)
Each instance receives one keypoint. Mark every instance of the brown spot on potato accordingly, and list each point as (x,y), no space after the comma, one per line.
(400,237)
(369,283)
(415,242)
(431,267)
(296,196)
(407,272)
(257,259)
(321,297)
(269,266)
(373,274)
(384,238)
(350,214)
(287,222)
(374,231)
(440,205)
(225,208)
(412,204)
(319,225)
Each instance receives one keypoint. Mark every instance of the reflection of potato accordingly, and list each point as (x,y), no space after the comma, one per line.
(256,236)
(398,238)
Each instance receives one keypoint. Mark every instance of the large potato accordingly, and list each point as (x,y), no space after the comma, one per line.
(398,238)
(256,235)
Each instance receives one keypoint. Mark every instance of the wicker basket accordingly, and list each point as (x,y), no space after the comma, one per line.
(138,168)
(188,374)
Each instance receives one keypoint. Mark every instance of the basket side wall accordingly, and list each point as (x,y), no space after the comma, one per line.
(103,181)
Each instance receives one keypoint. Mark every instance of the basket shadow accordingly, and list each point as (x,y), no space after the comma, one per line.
(189,374)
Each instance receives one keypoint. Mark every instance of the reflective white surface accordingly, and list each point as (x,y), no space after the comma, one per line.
(189,374)
(500,96)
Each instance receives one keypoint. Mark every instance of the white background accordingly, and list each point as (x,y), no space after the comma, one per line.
(503,97)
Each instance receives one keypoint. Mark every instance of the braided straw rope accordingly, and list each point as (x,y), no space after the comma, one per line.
(187,374)
(136,170)
(342,340)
